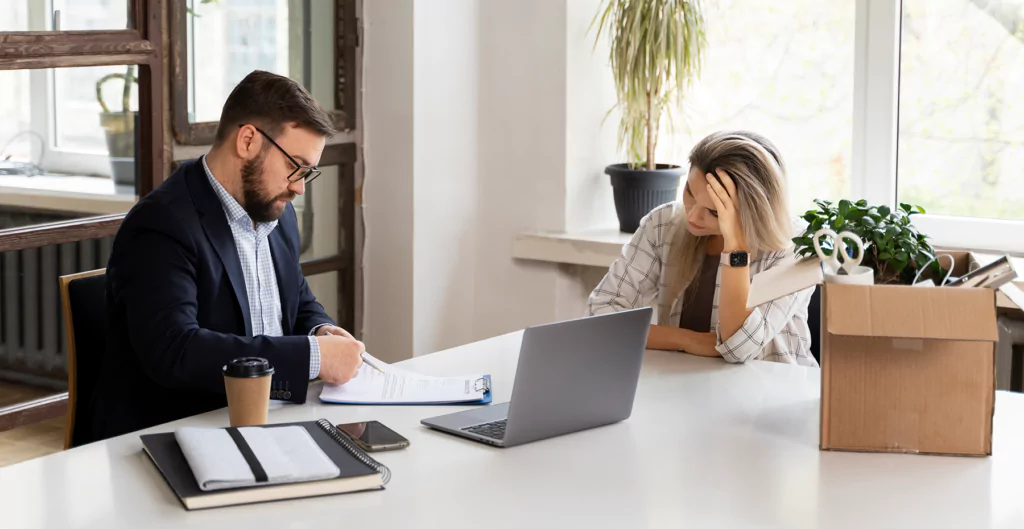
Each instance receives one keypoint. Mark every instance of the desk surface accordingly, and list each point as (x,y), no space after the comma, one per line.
(709,445)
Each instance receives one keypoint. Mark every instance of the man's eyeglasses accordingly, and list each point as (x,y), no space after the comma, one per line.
(301,172)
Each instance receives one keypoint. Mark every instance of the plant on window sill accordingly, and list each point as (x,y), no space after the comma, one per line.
(656,49)
(894,248)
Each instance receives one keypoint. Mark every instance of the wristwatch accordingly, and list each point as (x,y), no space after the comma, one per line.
(736,259)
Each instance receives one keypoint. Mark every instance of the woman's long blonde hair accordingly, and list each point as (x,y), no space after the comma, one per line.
(756,167)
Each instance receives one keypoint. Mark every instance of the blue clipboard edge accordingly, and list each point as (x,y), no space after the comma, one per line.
(486,400)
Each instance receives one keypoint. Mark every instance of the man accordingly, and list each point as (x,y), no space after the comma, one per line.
(206,269)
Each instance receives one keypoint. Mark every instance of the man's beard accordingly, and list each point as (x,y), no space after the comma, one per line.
(258,204)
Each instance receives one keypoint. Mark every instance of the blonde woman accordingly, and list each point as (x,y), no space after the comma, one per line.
(694,260)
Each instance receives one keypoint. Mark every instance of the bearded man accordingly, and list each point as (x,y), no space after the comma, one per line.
(205,269)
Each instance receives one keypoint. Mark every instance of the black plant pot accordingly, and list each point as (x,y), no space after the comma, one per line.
(638,191)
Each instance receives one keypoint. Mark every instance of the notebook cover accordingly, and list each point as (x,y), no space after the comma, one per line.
(165,453)
(485,400)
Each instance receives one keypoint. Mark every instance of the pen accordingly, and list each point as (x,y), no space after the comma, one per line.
(361,355)
(371,364)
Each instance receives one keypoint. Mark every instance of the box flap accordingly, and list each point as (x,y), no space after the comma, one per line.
(908,312)
(791,276)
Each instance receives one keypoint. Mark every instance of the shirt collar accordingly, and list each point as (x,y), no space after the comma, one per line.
(234,211)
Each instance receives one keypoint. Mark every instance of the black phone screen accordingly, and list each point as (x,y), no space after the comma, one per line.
(372,433)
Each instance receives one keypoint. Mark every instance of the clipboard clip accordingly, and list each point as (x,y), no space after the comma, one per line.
(482,384)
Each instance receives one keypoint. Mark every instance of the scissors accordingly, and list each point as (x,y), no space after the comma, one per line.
(840,262)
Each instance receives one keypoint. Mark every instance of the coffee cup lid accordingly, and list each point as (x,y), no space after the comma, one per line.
(248,367)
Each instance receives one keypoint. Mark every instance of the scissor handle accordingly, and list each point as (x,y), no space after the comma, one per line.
(831,261)
(839,258)
(849,263)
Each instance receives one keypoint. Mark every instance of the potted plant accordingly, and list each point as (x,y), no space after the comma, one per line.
(119,128)
(656,50)
(894,247)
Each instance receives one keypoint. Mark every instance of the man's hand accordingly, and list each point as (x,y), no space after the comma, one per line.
(340,358)
(325,330)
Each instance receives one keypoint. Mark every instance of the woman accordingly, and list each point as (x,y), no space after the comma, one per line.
(695,259)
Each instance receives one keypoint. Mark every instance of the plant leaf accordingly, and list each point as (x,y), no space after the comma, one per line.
(884,211)
(868,222)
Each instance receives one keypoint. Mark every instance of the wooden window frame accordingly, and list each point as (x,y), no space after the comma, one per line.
(203,132)
(143,47)
(342,155)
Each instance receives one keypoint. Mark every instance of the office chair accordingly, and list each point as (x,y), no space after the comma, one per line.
(814,322)
(83,298)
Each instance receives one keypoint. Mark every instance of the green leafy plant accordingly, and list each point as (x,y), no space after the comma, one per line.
(656,50)
(895,249)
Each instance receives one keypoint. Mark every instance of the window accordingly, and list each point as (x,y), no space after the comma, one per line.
(53,128)
(784,70)
(53,115)
(226,41)
(961,116)
(74,15)
(914,101)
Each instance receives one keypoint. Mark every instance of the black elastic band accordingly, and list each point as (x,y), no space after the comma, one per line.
(249,455)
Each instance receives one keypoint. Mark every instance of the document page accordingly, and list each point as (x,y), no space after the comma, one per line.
(400,386)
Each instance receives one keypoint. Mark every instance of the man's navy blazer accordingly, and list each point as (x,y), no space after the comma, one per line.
(178,309)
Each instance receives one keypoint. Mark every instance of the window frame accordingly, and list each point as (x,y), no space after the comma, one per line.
(202,133)
(876,135)
(142,46)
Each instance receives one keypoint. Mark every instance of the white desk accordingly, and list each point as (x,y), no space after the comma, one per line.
(709,445)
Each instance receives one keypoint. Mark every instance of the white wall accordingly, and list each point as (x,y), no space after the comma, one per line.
(476,131)
(590,135)
(522,162)
(445,181)
(388,183)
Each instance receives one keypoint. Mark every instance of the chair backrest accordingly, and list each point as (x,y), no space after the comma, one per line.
(83,298)
(814,322)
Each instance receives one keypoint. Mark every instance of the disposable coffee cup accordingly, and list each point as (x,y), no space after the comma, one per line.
(247,381)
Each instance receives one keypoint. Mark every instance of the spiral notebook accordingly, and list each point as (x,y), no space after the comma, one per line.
(358,471)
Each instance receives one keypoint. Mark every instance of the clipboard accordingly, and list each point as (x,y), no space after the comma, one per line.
(485,382)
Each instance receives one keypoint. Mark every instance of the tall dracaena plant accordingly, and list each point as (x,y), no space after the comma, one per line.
(657,47)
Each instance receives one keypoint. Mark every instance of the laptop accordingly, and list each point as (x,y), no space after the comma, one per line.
(572,376)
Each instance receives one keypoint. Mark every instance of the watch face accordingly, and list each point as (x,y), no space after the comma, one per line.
(738,259)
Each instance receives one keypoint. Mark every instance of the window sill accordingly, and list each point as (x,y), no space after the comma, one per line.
(74,194)
(601,247)
(598,247)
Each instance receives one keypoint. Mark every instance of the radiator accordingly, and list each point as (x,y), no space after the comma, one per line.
(33,345)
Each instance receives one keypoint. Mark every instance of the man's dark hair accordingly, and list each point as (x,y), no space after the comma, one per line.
(271,101)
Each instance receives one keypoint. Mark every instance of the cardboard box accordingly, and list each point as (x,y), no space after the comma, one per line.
(904,369)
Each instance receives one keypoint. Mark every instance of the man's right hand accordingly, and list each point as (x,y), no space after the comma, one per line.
(340,358)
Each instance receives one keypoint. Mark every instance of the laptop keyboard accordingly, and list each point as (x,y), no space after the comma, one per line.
(493,429)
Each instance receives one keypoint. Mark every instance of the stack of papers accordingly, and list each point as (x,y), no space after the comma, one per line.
(399,386)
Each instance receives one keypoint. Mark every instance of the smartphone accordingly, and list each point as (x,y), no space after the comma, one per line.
(373,436)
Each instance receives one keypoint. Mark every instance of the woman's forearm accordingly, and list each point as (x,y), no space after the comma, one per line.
(678,339)
(732,302)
